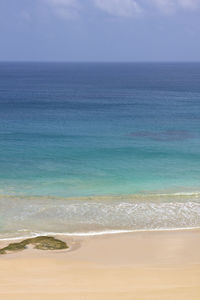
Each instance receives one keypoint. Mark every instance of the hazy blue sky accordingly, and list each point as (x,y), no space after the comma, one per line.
(100,30)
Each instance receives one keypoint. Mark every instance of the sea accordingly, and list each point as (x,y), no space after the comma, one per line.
(96,148)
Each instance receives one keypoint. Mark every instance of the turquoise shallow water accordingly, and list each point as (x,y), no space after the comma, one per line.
(129,132)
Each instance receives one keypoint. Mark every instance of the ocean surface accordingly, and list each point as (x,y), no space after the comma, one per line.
(93,148)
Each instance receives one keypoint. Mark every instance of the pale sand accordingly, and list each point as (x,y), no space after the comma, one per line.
(151,265)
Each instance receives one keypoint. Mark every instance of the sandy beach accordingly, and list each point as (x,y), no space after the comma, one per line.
(143,265)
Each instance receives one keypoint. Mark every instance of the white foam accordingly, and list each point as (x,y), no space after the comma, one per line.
(178,194)
(96,233)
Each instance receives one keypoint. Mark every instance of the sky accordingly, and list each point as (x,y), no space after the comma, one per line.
(100,30)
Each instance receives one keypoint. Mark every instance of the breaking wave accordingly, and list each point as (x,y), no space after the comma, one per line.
(97,215)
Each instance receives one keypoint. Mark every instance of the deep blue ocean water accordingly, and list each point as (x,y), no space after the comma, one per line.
(122,141)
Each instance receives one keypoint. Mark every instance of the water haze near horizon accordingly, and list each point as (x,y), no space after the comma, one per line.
(93,147)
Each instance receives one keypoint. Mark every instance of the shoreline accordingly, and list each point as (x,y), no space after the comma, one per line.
(98,233)
(143,265)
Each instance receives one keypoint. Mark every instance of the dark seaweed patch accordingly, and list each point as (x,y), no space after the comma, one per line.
(40,242)
(168,135)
